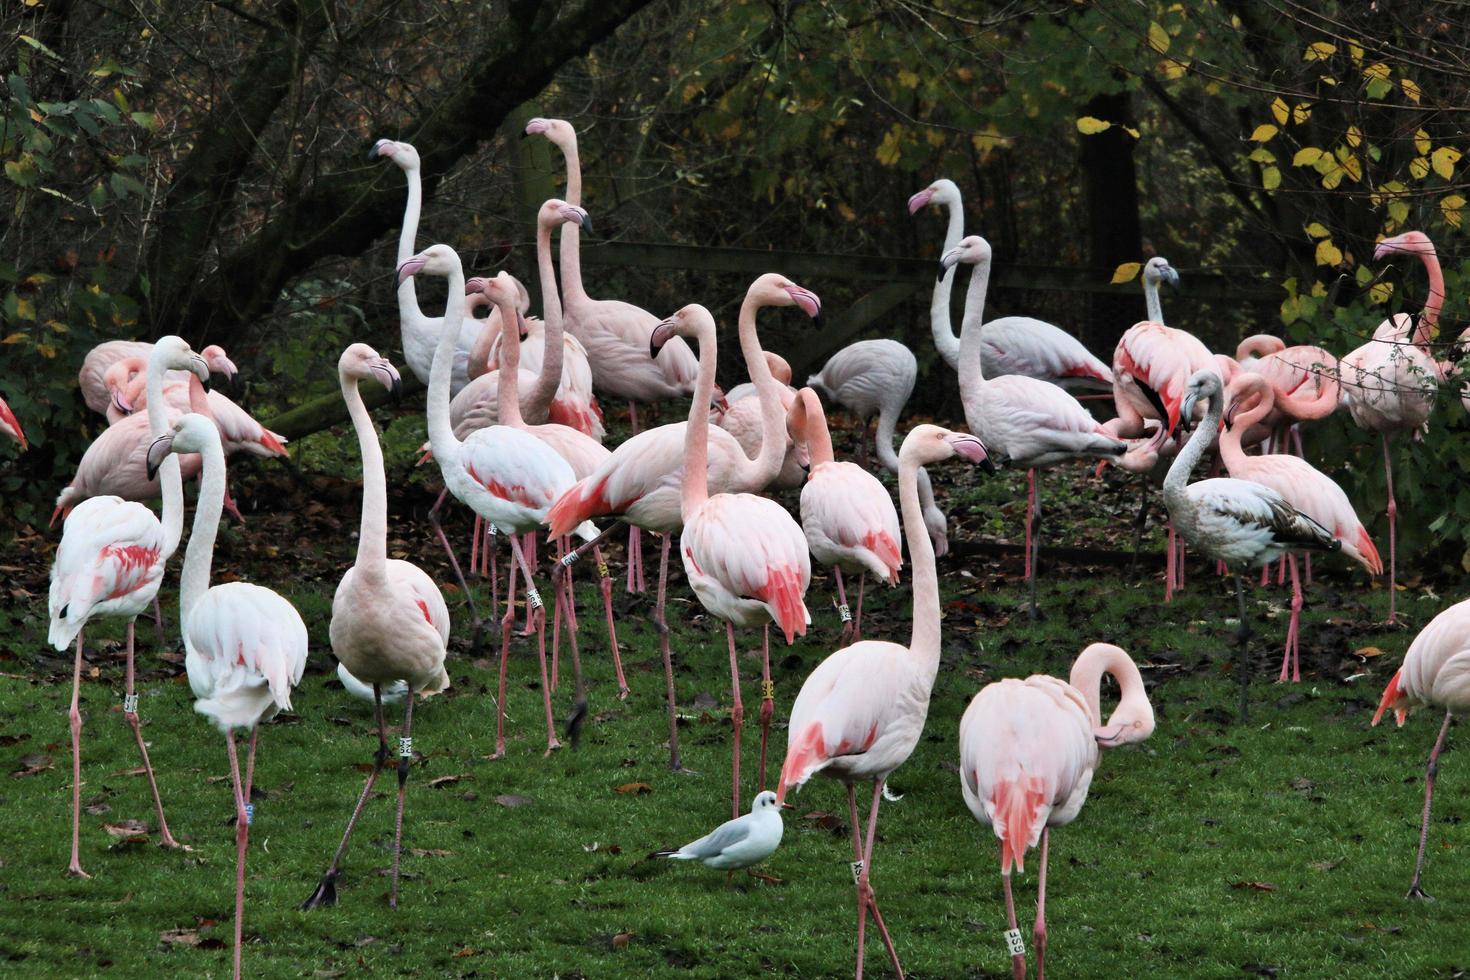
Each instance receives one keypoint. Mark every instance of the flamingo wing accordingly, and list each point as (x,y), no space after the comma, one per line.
(245,650)
(111,552)
(845,507)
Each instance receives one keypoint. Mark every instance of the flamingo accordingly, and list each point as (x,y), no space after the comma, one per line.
(508,477)
(244,645)
(876,377)
(238,429)
(10,426)
(1390,382)
(861,711)
(110,563)
(1301,484)
(780,370)
(1028,750)
(1241,523)
(390,624)
(744,556)
(847,516)
(1157,272)
(1433,674)
(1020,345)
(745,420)
(1304,385)
(420,333)
(641,483)
(1030,422)
(92,376)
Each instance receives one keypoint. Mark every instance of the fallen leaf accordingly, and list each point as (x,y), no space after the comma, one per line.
(30,764)
(512,800)
(438,781)
(429,852)
(1325,865)
(1259,886)
(621,940)
(823,819)
(464,951)
(180,937)
(1367,652)
(126,828)
(638,789)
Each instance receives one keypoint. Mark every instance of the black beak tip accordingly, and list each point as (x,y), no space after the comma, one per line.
(587,223)
(395,391)
(524,134)
(939,276)
(818,321)
(152,470)
(205,383)
(653,348)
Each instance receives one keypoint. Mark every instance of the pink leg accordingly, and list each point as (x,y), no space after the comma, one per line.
(843,612)
(857,623)
(1038,934)
(130,714)
(507,623)
(1393,516)
(1018,960)
(158,621)
(1169,557)
(528,548)
(561,587)
(491,567)
(475,544)
(405,759)
(1416,889)
(326,889)
(533,599)
(1293,629)
(663,648)
(242,839)
(737,718)
(1179,565)
(1265,572)
(74,870)
(635,559)
(857,861)
(1030,508)
(562,590)
(867,888)
(1280,572)
(453,561)
(768,698)
(612,629)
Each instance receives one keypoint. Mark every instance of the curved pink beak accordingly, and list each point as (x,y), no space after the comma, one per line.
(411,268)
(382,148)
(121,403)
(920,199)
(474,285)
(807,300)
(537,125)
(969,448)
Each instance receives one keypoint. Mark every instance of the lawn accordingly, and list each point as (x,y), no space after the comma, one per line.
(1278,848)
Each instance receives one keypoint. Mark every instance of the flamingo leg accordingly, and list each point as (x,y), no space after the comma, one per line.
(458,575)
(857,623)
(1033,537)
(1179,564)
(1038,934)
(1393,516)
(565,595)
(130,714)
(1169,557)
(635,558)
(737,718)
(405,759)
(1243,638)
(871,897)
(1293,630)
(326,889)
(158,621)
(560,586)
(507,624)
(1030,509)
(1018,960)
(857,862)
(528,548)
(242,840)
(663,649)
(842,611)
(1140,523)
(475,545)
(768,699)
(612,629)
(533,599)
(74,716)
(1416,889)
(487,558)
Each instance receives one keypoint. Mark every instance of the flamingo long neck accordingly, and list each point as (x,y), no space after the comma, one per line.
(939,306)
(883,436)
(924,640)
(509,389)
(696,437)
(1181,508)
(484,341)
(441,433)
(538,400)
(372,538)
(168,472)
(811,421)
(1151,300)
(571,258)
(194,580)
(767,463)
(408,300)
(1429,319)
(1086,677)
(972,376)
(1232,452)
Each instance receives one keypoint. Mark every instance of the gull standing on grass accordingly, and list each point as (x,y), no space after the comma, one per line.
(739,843)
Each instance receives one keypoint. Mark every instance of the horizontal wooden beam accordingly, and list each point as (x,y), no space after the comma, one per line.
(327,410)
(857,317)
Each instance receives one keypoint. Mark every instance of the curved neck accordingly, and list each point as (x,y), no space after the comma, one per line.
(883,439)
(408,300)
(441,433)
(924,640)
(1429,319)
(696,436)
(571,261)
(939,306)
(538,399)
(194,580)
(1232,452)
(372,538)
(484,344)
(509,386)
(1151,299)
(808,419)
(1189,457)
(169,479)
(1086,677)
(767,463)
(972,377)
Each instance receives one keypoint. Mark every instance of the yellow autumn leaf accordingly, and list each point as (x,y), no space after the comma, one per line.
(1443,161)
(1332,176)
(1380,292)
(988,140)
(1091,125)
(13,338)
(1353,166)
(1318,289)
(1421,142)
(848,214)
(1419,168)
(1300,113)
(889,150)
(1270,178)
(1172,69)
(1398,211)
(1280,110)
(1262,155)
(1306,156)
(1411,89)
(1354,136)
(25,309)
(1377,71)
(1158,38)
(1131,131)
(1264,132)
(1451,208)
(1320,51)
(1355,50)
(908,79)
(1317,230)
(1126,272)
(1328,253)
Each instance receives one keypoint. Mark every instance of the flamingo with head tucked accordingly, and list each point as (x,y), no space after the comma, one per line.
(92,376)
(10,426)
(861,711)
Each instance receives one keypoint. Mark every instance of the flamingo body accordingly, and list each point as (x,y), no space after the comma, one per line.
(109,563)
(743,577)
(850,521)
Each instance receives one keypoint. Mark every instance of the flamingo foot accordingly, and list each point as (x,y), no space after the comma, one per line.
(325,895)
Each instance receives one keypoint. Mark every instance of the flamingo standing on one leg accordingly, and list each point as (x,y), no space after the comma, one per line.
(110,563)
(244,645)
(390,624)
(1434,673)
(1241,523)
(1028,750)
(1301,484)
(10,426)
(744,556)
(861,711)
(1025,420)
(847,516)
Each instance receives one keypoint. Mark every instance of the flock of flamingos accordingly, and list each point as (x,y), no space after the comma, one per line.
(517,433)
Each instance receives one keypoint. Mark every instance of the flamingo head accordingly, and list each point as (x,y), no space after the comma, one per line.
(215,359)
(173,354)
(1204,385)
(1415,242)
(692,321)
(774,289)
(932,444)
(192,433)
(116,378)
(360,362)
(10,425)
(942,191)
(1158,271)
(559,131)
(972,250)
(558,212)
(402,154)
(437,260)
(1244,394)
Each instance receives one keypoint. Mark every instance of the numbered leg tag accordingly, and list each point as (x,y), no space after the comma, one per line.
(405,748)
(768,690)
(494,530)
(845,613)
(1013,942)
(534,598)
(570,559)
(130,704)
(857,871)
(602,570)
(249,814)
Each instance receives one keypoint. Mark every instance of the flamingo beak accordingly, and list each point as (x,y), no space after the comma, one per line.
(920,199)
(660,336)
(1171,276)
(382,148)
(970,448)
(410,268)
(808,301)
(157,451)
(578,217)
(947,261)
(120,403)
(386,373)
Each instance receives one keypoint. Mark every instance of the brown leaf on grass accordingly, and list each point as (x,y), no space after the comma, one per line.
(1303,784)
(621,940)
(1368,652)
(1325,865)
(30,764)
(179,937)
(1258,886)
(97,809)
(429,852)
(512,800)
(465,951)
(823,819)
(126,828)
(438,781)
(637,789)
(363,766)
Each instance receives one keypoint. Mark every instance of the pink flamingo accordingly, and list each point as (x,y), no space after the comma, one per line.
(239,431)
(1301,484)
(1390,382)
(1304,385)
(861,711)
(746,422)
(1028,750)
(390,624)
(642,482)
(110,563)
(1023,419)
(509,477)
(847,516)
(1433,674)
(1010,344)
(92,376)
(10,426)
(744,556)
(244,645)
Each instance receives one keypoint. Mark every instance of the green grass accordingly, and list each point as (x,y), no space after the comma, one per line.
(1165,873)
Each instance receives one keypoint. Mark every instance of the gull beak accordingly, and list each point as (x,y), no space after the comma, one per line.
(159,449)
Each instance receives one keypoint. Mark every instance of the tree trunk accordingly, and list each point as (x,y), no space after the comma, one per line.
(1114,234)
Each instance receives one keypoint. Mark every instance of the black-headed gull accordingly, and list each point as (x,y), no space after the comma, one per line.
(737,843)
